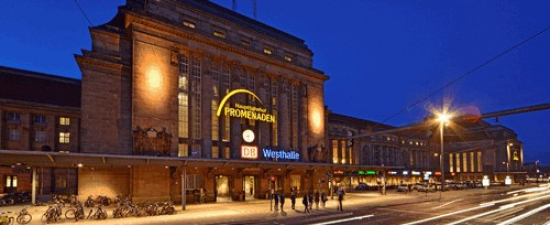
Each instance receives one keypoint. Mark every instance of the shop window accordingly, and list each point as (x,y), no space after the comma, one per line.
(64,137)
(194,181)
(479,162)
(14,135)
(40,136)
(451,162)
(14,117)
(65,121)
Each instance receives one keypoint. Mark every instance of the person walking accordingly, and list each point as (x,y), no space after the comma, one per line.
(305,201)
(340,199)
(324,199)
(293,198)
(282,201)
(317,200)
(276,199)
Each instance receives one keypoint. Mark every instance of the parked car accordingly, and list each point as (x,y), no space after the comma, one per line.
(362,187)
(416,186)
(403,188)
(444,187)
(457,185)
(427,188)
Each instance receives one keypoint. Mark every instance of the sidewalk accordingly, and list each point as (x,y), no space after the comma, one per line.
(256,211)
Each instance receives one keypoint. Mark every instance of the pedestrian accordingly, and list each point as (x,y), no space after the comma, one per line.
(317,200)
(202,195)
(276,198)
(293,198)
(340,199)
(310,199)
(305,201)
(324,198)
(282,200)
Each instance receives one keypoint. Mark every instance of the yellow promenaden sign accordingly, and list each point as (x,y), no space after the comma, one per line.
(245,111)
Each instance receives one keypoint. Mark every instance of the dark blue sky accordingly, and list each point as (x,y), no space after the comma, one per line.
(381,56)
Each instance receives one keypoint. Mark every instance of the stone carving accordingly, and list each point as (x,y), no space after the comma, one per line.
(317,153)
(151,142)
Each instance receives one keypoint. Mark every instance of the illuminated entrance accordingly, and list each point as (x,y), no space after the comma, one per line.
(223,188)
(249,185)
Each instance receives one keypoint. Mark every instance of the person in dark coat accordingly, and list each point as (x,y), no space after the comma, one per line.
(276,198)
(282,200)
(317,200)
(340,199)
(293,198)
(305,201)
(310,199)
(324,199)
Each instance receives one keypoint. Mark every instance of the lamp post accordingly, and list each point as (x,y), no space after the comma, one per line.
(443,119)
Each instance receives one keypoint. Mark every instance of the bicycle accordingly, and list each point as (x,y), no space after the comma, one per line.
(98,214)
(6,219)
(24,216)
(76,212)
(167,209)
(52,214)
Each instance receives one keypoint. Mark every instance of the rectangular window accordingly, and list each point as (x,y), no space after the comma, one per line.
(224,88)
(246,42)
(479,162)
(268,51)
(11,181)
(64,137)
(274,105)
(451,163)
(196,99)
(226,153)
(465,161)
(39,119)
(183,150)
(189,24)
(14,117)
(40,136)
(65,121)
(215,73)
(183,99)
(343,147)
(194,181)
(294,116)
(14,135)
(219,34)
(457,158)
(335,151)
(215,152)
(472,162)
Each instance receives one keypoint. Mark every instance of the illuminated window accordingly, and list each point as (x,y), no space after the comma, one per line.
(274,105)
(479,162)
(294,116)
(65,121)
(183,150)
(224,88)
(215,152)
(451,162)
(226,151)
(10,181)
(465,161)
(38,119)
(457,158)
(472,162)
(183,99)
(268,51)
(219,34)
(60,181)
(214,72)
(189,24)
(335,151)
(288,58)
(14,117)
(40,136)
(64,137)
(196,99)
(343,147)
(14,135)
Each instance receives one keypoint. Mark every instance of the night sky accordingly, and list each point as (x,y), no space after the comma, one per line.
(381,56)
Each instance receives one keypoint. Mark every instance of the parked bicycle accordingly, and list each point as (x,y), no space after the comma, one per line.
(99,200)
(167,209)
(52,214)
(99,213)
(24,216)
(6,219)
(76,212)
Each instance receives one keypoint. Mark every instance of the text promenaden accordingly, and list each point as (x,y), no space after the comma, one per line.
(249,112)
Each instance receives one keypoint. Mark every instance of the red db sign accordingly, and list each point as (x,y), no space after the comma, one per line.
(249,152)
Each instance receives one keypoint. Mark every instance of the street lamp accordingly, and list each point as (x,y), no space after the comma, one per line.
(443,119)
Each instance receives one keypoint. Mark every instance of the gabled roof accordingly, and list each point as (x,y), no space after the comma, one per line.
(356,122)
(23,85)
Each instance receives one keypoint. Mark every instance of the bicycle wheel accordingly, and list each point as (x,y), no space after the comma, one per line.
(44,218)
(103,214)
(24,218)
(170,210)
(70,214)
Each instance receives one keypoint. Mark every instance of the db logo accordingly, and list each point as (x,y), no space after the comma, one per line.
(249,152)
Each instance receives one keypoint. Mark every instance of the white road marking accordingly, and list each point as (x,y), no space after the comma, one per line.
(523,216)
(344,220)
(448,203)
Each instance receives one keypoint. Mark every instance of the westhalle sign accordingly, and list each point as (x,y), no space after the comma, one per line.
(245,111)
